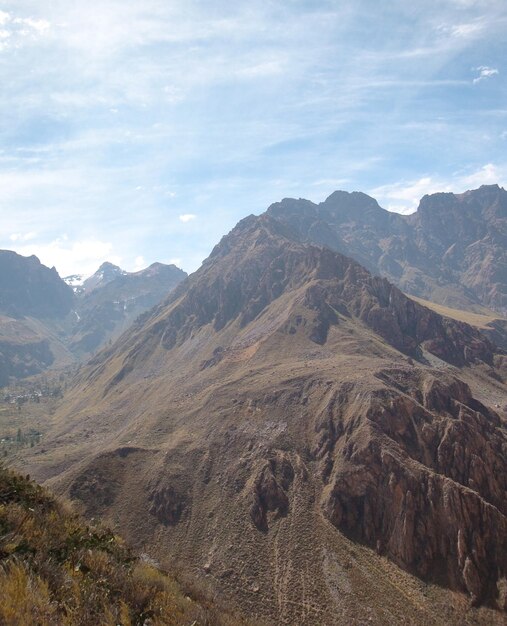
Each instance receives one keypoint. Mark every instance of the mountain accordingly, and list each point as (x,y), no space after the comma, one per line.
(323,448)
(33,302)
(49,322)
(28,288)
(452,250)
(75,281)
(104,275)
(111,299)
(23,351)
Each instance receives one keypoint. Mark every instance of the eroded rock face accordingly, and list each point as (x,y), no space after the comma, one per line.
(420,476)
(270,491)
(167,505)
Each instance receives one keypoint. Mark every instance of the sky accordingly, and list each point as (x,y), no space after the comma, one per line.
(137,132)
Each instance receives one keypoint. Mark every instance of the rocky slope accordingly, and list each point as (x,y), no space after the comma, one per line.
(23,352)
(302,433)
(57,570)
(452,250)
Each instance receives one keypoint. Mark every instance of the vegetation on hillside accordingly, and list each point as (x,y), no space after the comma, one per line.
(56,570)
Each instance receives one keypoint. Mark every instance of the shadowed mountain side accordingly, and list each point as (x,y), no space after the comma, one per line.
(23,352)
(29,288)
(282,422)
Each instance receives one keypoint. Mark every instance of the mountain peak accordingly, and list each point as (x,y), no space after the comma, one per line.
(352,200)
(105,274)
(107,266)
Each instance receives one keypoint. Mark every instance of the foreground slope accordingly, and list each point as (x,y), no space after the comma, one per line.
(56,570)
(299,431)
(452,250)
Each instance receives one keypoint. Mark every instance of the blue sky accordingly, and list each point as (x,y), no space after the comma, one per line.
(143,131)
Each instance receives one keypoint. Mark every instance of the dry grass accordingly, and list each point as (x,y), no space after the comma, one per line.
(479,320)
(55,570)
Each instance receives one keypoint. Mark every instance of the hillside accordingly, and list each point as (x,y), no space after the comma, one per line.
(487,321)
(303,434)
(451,251)
(34,303)
(55,569)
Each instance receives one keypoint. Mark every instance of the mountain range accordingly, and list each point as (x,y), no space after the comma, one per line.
(319,446)
(451,251)
(45,322)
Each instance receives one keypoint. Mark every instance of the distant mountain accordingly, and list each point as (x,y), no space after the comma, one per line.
(29,288)
(452,250)
(75,281)
(33,298)
(111,299)
(23,351)
(104,275)
(46,321)
(282,422)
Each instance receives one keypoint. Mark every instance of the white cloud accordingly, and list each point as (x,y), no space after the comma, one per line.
(268,68)
(488,174)
(462,31)
(466,30)
(41,26)
(72,257)
(335,183)
(403,197)
(187,217)
(485,72)
(176,261)
(23,237)
(16,30)
(139,263)
(20,184)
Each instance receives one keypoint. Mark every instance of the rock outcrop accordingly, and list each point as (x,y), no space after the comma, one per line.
(421,479)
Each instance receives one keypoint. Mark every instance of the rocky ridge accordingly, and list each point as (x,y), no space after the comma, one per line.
(450,251)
